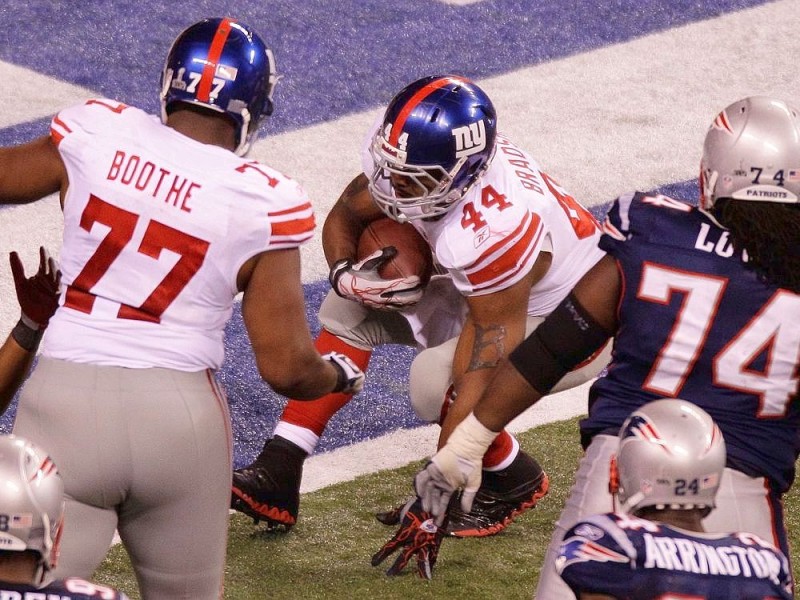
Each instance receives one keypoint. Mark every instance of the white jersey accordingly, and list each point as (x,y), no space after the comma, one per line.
(156,228)
(493,236)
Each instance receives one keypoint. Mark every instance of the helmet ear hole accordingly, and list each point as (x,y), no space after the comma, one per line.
(613,476)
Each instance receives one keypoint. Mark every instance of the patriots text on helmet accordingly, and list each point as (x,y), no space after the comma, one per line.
(756,193)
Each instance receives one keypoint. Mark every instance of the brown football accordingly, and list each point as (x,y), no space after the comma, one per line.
(413,253)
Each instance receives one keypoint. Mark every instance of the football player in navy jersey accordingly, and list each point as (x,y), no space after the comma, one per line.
(31,518)
(702,303)
(666,474)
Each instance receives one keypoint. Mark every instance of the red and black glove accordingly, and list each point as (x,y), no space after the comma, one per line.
(418,537)
(37,296)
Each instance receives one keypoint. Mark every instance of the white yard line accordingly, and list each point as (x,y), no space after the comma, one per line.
(404,446)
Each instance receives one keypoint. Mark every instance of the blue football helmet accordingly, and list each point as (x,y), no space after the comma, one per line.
(436,139)
(222,65)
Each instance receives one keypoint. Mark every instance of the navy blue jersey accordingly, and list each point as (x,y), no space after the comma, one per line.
(696,323)
(634,559)
(66,589)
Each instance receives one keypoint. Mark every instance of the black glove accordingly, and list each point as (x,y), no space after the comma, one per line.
(418,537)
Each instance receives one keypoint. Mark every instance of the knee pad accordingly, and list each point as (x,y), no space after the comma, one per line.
(360,326)
(429,379)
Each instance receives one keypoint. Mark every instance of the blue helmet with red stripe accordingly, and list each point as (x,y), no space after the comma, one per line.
(222,65)
(436,139)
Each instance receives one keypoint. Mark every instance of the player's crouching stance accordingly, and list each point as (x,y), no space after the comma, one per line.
(666,475)
(508,243)
(31,518)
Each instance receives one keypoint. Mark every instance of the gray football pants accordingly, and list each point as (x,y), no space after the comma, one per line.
(144,451)
(431,370)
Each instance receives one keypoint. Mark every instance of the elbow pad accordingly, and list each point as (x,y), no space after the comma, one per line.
(567,337)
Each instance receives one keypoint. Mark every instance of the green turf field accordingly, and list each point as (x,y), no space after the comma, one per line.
(327,554)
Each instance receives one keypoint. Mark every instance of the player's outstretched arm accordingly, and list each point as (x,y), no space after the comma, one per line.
(273,309)
(31,171)
(495,325)
(577,328)
(38,299)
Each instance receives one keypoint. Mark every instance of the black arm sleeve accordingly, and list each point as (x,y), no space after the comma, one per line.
(567,337)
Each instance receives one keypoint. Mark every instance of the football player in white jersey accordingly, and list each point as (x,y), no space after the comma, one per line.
(165,222)
(508,243)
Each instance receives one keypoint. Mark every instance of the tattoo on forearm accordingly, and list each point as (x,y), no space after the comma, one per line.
(488,347)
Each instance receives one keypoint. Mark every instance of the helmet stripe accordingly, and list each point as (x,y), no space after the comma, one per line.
(414,101)
(214,52)
(722,123)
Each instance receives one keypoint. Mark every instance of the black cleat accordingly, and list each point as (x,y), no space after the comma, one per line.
(269,488)
(502,497)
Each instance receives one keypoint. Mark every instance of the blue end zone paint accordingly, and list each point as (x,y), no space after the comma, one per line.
(336,61)
(383,405)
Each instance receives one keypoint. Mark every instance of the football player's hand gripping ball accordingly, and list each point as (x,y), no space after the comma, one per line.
(362,283)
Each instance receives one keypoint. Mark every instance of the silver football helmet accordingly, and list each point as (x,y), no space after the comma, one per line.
(752,152)
(31,502)
(671,455)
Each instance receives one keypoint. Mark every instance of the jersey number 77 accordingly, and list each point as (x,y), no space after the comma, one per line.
(157,237)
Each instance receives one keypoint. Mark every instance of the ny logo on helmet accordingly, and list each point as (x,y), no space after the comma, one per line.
(470,139)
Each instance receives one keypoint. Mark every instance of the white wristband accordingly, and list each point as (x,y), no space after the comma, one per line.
(471,438)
